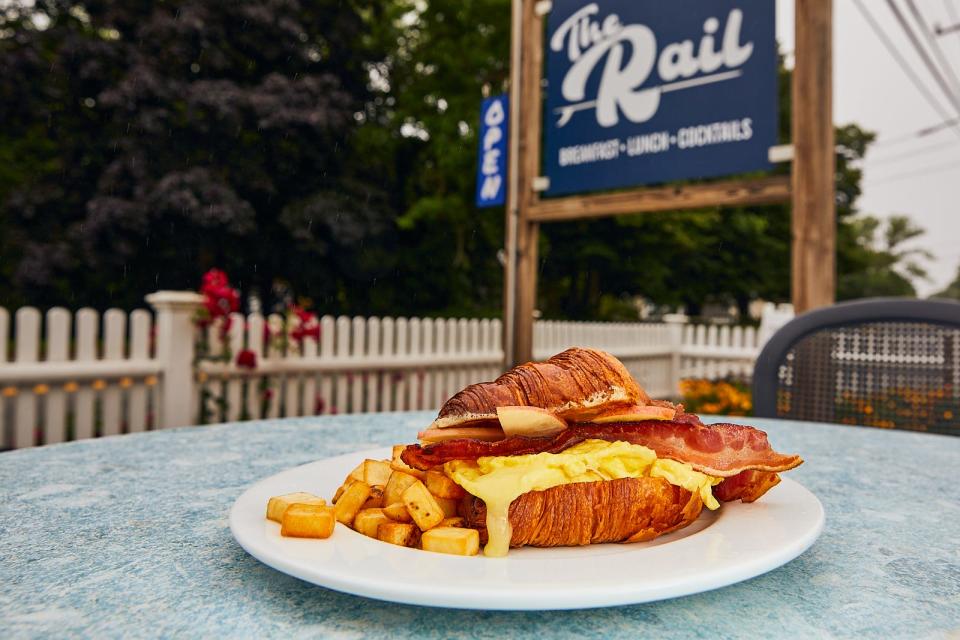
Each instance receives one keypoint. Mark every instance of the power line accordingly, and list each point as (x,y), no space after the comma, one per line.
(934,45)
(949,144)
(937,127)
(918,46)
(954,20)
(919,133)
(907,69)
(926,171)
(942,31)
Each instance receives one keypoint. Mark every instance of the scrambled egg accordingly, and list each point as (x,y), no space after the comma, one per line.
(499,480)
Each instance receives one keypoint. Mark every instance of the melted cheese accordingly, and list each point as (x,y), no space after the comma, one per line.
(499,480)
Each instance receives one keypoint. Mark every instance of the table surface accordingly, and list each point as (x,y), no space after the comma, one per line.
(127,536)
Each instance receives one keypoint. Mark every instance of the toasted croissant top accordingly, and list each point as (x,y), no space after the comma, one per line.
(575,385)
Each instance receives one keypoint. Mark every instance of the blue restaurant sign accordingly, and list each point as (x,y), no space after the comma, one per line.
(648,91)
(492,166)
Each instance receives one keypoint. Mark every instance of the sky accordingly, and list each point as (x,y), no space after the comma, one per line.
(903,174)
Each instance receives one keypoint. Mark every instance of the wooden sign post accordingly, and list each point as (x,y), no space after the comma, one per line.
(811,184)
(814,222)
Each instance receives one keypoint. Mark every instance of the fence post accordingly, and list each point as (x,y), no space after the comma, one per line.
(174,350)
(675,340)
(771,320)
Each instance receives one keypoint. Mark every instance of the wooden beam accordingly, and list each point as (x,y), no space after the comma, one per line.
(511,211)
(814,205)
(528,237)
(755,191)
(529,152)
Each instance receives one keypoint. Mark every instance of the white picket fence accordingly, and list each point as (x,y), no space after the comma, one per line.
(87,376)
(359,365)
(658,355)
(79,375)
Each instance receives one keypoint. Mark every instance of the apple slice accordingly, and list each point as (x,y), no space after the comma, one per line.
(529,421)
(636,413)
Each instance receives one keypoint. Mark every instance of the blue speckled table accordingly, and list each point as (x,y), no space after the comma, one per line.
(127,537)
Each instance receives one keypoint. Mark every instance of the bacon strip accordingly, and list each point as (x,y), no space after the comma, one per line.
(746,486)
(722,450)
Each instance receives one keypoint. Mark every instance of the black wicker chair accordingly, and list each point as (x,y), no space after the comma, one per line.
(882,362)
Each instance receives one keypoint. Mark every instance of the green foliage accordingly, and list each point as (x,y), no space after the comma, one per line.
(329,148)
(445,55)
(152,141)
(952,290)
(878,264)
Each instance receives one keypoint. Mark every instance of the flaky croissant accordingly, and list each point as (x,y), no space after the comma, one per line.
(625,510)
(576,384)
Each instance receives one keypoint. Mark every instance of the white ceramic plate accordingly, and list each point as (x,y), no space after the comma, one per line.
(737,542)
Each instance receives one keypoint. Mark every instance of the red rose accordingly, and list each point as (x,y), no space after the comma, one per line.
(214,278)
(297,334)
(306,317)
(247,359)
(219,298)
(212,306)
(306,331)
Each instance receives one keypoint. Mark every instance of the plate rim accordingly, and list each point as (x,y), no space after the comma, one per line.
(511,597)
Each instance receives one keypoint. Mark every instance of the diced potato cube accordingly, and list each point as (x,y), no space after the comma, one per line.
(441,486)
(398,483)
(449,506)
(375,501)
(350,502)
(452,540)
(368,520)
(308,521)
(422,506)
(455,521)
(404,535)
(357,473)
(376,472)
(399,465)
(336,496)
(402,467)
(398,512)
(278,504)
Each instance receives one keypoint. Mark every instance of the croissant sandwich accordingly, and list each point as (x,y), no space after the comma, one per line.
(571,451)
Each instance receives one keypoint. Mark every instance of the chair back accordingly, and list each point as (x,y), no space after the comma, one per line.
(882,362)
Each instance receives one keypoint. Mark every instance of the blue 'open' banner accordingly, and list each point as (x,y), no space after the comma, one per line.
(648,91)
(492,164)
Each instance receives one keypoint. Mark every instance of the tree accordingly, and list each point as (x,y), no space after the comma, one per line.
(329,149)
(952,290)
(445,55)
(158,140)
(881,266)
